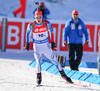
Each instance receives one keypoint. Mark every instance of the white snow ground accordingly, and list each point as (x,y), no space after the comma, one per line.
(17,75)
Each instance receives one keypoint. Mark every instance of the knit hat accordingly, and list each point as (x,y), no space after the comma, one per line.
(75,12)
(38,12)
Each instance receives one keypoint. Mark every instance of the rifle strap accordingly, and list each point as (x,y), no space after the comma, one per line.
(34,22)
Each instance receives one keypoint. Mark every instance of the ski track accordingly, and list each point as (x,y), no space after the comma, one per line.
(16,75)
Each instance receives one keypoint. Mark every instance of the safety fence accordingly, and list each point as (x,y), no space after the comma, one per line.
(46,65)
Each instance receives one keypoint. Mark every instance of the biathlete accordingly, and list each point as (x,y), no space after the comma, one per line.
(43,36)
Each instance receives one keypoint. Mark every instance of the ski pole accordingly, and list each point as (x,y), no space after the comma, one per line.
(37,3)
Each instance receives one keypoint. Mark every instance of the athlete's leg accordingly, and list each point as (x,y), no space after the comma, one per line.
(37,55)
(38,61)
(50,55)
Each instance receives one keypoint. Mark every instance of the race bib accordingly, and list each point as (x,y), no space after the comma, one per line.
(40,36)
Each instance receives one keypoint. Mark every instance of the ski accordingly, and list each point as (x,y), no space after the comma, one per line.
(76,84)
(38,85)
(72,83)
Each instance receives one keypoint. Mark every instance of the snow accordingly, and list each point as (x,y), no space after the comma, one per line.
(15,72)
(17,75)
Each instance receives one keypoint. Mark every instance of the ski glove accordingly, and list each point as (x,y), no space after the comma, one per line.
(27,46)
(86,42)
(53,45)
(65,43)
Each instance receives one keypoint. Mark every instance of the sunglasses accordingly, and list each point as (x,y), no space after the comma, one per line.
(75,14)
(39,17)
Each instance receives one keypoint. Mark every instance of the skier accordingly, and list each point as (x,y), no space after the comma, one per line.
(41,30)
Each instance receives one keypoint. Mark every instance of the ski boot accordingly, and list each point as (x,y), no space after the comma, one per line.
(64,76)
(39,79)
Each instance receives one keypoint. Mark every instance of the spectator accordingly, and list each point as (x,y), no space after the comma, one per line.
(74,30)
(44,10)
(39,29)
(21,9)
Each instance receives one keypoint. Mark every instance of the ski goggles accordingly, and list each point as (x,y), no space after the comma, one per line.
(38,17)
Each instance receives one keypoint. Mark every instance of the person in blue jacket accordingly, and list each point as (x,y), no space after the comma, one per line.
(73,36)
(44,9)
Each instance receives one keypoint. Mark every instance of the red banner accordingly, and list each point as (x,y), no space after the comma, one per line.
(90,46)
(14,33)
(16,36)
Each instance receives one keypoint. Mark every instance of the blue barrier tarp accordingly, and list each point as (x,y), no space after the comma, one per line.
(46,65)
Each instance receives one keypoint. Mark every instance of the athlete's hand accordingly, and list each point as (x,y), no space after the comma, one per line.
(53,45)
(86,42)
(27,46)
(65,43)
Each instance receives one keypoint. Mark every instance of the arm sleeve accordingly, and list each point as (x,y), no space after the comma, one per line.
(50,26)
(29,28)
(51,34)
(65,31)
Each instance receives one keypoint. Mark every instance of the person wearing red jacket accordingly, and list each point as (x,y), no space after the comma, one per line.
(21,9)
